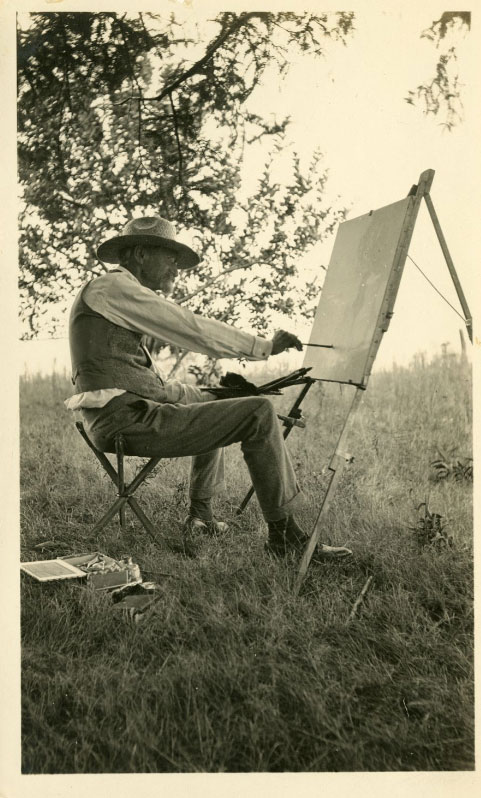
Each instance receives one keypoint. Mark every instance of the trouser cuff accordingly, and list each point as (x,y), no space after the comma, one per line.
(287,509)
(206,494)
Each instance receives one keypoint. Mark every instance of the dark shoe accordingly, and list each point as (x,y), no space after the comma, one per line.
(296,536)
(192,531)
(285,536)
(299,539)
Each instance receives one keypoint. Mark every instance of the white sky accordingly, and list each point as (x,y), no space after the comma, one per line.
(351,105)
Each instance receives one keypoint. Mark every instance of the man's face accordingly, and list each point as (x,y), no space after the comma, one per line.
(159,269)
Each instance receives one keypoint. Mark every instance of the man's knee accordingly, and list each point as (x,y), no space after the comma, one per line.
(265,406)
(264,414)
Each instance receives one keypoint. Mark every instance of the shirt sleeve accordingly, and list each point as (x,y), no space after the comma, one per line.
(184,394)
(121,299)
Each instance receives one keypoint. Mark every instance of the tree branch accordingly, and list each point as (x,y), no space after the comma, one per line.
(133,76)
(196,68)
(139,132)
(177,138)
(66,65)
(61,195)
(178,361)
(214,280)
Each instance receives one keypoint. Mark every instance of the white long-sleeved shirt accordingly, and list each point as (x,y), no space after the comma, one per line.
(119,297)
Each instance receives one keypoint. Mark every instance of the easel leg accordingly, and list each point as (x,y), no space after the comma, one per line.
(293,413)
(316,532)
(450,265)
(339,462)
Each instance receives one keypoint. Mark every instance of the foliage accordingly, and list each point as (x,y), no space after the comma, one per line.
(441,96)
(118,115)
(442,26)
(430,529)
(231,672)
(448,466)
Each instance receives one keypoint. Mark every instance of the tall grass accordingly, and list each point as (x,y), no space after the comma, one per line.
(231,672)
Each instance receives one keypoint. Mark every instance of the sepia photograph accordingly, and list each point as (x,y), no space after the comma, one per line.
(242,275)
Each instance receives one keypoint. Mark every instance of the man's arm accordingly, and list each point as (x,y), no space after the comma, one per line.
(121,299)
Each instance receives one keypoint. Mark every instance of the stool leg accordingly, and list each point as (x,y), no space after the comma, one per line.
(116,507)
(124,491)
(119,449)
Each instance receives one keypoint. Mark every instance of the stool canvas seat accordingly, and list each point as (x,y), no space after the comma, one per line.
(124,491)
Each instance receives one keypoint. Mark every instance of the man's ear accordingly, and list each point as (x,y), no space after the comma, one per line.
(139,253)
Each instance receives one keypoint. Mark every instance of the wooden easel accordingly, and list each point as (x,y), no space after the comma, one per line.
(341,458)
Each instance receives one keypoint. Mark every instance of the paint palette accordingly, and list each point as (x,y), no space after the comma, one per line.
(49,570)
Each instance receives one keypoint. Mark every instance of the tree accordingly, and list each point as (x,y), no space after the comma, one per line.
(114,115)
(441,95)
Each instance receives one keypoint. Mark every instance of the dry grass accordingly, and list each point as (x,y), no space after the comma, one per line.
(231,672)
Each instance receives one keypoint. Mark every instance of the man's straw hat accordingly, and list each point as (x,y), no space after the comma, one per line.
(151,231)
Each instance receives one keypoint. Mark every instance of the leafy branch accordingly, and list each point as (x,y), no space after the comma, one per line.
(182,159)
(197,67)
(442,94)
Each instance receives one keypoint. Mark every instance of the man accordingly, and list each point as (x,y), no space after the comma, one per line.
(118,388)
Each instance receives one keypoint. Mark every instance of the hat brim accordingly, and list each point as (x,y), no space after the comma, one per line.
(108,252)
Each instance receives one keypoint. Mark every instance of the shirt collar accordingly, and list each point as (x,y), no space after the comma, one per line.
(126,271)
(133,277)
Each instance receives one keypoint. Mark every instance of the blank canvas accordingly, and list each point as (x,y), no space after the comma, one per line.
(359,282)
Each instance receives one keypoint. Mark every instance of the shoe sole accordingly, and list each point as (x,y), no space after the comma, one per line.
(211,529)
(320,556)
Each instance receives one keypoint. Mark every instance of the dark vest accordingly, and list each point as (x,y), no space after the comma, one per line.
(105,355)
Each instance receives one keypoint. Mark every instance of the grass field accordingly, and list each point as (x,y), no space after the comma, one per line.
(231,672)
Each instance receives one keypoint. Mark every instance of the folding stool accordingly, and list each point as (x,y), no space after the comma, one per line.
(124,492)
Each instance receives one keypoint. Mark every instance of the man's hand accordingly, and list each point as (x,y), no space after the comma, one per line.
(283,340)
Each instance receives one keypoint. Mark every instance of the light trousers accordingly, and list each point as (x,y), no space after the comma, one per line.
(201,430)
